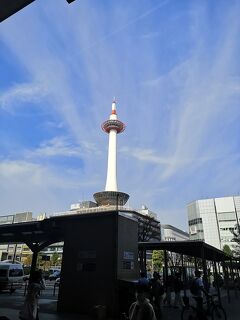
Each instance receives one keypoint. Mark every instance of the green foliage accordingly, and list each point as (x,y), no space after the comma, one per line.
(157,260)
(227,250)
(55,259)
(236,239)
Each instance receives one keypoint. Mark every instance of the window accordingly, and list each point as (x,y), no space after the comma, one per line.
(3,272)
(226,216)
(15,273)
(194,221)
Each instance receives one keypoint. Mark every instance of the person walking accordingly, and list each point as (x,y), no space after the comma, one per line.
(197,289)
(156,294)
(143,281)
(141,309)
(177,287)
(169,289)
(30,307)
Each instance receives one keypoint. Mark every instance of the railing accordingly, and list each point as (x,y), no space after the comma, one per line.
(91,210)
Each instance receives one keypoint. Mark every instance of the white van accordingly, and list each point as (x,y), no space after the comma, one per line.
(11,276)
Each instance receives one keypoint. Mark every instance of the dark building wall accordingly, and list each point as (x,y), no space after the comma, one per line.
(89,261)
(127,249)
(93,262)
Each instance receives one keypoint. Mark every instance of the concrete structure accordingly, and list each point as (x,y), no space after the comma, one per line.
(13,251)
(97,256)
(83,205)
(145,211)
(171,233)
(18,251)
(111,195)
(212,220)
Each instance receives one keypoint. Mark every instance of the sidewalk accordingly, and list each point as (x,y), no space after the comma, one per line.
(11,304)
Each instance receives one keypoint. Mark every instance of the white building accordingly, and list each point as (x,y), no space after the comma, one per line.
(145,211)
(213,220)
(10,251)
(171,233)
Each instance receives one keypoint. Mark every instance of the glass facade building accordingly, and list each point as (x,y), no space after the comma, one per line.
(213,220)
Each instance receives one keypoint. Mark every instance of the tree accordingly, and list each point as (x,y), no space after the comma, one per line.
(236,239)
(174,259)
(227,250)
(55,259)
(148,229)
(157,259)
(27,260)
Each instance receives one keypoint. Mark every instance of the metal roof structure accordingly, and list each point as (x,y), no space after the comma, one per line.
(52,230)
(47,230)
(198,249)
(9,7)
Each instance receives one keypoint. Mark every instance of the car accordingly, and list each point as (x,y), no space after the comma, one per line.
(56,274)
(11,276)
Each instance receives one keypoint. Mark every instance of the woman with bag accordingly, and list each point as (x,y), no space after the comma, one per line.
(30,307)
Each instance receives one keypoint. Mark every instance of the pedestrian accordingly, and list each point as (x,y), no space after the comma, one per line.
(168,288)
(197,289)
(143,282)
(156,294)
(177,287)
(30,307)
(141,309)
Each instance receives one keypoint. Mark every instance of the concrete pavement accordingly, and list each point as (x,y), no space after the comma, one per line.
(11,304)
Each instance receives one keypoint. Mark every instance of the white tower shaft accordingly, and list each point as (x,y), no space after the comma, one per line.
(111,195)
(111,182)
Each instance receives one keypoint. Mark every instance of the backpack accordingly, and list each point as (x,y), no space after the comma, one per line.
(194,287)
(157,289)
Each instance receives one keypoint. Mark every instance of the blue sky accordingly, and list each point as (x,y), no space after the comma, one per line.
(174,68)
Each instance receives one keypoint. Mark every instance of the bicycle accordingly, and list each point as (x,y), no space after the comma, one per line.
(214,310)
(124,316)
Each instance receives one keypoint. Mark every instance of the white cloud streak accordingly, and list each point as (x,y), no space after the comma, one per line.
(20,93)
(180,115)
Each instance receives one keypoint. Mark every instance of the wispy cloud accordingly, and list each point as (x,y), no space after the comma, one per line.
(177,82)
(58,146)
(20,93)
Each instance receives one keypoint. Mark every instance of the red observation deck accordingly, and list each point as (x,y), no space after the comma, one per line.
(112,124)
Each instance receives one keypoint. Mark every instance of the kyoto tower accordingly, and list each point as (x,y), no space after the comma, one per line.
(111,195)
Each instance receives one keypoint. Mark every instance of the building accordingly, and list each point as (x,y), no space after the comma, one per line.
(145,211)
(18,251)
(171,233)
(13,251)
(213,220)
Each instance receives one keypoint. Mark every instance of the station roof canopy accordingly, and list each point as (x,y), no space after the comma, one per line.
(198,249)
(9,7)
(34,231)
(48,231)
(52,230)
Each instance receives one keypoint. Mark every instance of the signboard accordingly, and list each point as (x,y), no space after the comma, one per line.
(128,265)
(128,255)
